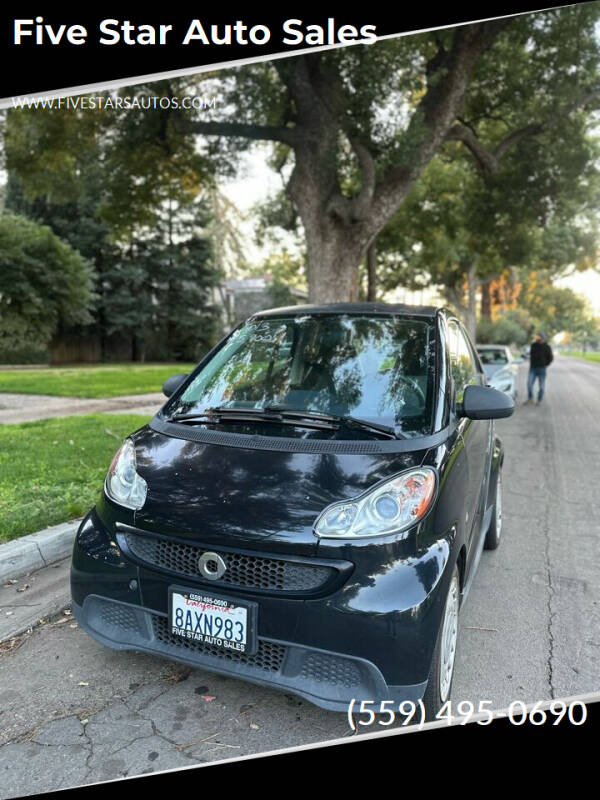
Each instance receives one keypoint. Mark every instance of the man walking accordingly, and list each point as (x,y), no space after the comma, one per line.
(540,357)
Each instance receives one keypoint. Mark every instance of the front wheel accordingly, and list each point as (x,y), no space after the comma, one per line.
(439,682)
(492,537)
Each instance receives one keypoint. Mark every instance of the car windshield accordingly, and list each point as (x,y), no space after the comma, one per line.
(489,356)
(378,368)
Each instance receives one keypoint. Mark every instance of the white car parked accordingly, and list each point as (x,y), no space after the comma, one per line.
(500,367)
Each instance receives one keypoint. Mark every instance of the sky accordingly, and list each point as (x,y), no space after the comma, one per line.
(255,183)
(586,283)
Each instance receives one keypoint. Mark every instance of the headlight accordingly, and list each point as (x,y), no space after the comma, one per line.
(123,484)
(388,507)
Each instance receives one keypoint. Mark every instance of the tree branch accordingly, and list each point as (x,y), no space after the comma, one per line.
(447,78)
(515,137)
(456,298)
(328,89)
(300,75)
(238,129)
(488,159)
(332,94)
(363,200)
(484,157)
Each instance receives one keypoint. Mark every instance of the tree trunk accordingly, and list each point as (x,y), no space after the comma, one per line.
(339,228)
(101,316)
(170,332)
(471,309)
(335,243)
(486,300)
(372,272)
(138,348)
(100,310)
(332,264)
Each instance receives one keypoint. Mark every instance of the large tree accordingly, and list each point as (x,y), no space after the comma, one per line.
(460,229)
(556,308)
(43,283)
(363,122)
(162,286)
(71,211)
(126,190)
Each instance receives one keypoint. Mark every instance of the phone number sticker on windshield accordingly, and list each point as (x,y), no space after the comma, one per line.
(213,621)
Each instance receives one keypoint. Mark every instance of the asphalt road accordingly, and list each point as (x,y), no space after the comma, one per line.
(539,591)
(73,712)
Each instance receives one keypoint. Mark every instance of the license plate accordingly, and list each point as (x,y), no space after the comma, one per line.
(217,621)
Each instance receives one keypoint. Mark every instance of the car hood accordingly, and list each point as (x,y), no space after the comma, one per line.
(249,497)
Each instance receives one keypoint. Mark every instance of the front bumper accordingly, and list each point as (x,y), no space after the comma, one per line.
(368,639)
(329,680)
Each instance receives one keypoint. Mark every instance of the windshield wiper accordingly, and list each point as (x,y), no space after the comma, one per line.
(350,421)
(287,416)
(215,415)
(212,412)
(365,425)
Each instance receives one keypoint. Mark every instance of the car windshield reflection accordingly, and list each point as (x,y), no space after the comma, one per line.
(378,369)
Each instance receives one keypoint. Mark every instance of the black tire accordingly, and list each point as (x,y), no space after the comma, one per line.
(492,537)
(438,690)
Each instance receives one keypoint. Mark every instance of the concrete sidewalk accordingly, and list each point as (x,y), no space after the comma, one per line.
(34,578)
(28,407)
(26,601)
(29,553)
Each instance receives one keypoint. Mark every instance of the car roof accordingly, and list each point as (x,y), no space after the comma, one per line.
(492,346)
(397,309)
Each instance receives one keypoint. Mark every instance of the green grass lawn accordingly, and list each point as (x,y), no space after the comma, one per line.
(581,354)
(53,470)
(101,380)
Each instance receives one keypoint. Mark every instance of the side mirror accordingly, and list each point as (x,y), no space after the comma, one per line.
(483,402)
(173,383)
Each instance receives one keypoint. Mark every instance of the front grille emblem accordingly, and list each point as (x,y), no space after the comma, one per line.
(211,566)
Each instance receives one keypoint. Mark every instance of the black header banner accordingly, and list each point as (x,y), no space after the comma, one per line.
(47,50)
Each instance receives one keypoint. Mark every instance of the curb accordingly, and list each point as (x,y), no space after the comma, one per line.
(37,550)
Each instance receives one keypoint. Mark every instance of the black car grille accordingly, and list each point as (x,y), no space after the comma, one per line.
(269,655)
(335,670)
(119,616)
(252,572)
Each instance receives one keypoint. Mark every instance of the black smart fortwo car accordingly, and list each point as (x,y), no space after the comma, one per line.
(307,510)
